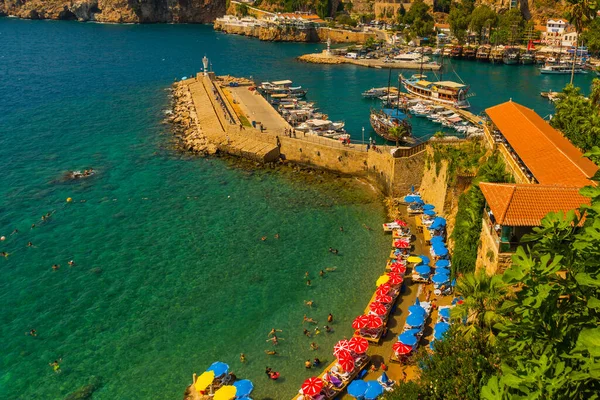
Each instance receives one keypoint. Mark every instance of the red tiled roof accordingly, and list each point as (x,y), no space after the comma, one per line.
(550,157)
(526,205)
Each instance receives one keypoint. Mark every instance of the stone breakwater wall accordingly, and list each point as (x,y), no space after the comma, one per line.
(324,58)
(290,34)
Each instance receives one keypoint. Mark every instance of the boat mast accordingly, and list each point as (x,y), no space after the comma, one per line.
(389,83)
(442,68)
(398,104)
(421,69)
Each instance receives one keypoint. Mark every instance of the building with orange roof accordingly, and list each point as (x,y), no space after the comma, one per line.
(549,172)
(536,151)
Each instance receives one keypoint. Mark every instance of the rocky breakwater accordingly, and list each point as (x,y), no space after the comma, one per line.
(269,33)
(118,11)
(321,58)
(184,122)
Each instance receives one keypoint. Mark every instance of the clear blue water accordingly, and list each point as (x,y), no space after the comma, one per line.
(170,271)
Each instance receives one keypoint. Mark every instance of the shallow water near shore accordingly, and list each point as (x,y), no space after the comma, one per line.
(170,272)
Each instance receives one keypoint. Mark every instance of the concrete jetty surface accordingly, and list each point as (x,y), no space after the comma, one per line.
(324,58)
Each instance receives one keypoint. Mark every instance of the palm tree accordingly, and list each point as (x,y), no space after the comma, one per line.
(399,131)
(483,295)
(582,12)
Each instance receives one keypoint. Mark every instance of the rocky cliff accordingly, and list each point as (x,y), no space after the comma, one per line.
(123,11)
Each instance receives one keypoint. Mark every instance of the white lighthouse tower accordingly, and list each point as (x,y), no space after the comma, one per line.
(205,64)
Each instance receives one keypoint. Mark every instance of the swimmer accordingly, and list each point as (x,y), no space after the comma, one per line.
(317,331)
(268,370)
(264,238)
(273,340)
(277,236)
(32,226)
(331,249)
(32,332)
(316,362)
(306,333)
(308,282)
(14,232)
(4,254)
(306,275)
(273,331)
(335,251)
(309,303)
(328,329)
(330,269)
(270,352)
(330,318)
(367,227)
(341,229)
(43,217)
(314,346)
(321,273)
(71,263)
(29,244)
(307,364)
(55,365)
(55,267)
(306,319)
(242,358)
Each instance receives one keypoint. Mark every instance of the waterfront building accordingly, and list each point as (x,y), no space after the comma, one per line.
(548,170)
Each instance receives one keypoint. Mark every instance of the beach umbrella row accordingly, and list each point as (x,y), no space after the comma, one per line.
(438,223)
(367,321)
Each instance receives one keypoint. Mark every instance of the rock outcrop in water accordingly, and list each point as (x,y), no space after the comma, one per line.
(121,11)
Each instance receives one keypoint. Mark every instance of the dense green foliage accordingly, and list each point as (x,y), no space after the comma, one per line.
(591,36)
(460,18)
(321,7)
(577,117)
(510,28)
(483,18)
(442,6)
(418,18)
(468,218)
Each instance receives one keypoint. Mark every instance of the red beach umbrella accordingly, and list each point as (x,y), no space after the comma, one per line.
(341,346)
(398,268)
(312,386)
(401,223)
(384,299)
(359,345)
(374,321)
(402,244)
(360,322)
(401,349)
(378,308)
(395,279)
(383,289)
(346,361)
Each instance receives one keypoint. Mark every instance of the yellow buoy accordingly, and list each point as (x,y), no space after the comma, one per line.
(69,199)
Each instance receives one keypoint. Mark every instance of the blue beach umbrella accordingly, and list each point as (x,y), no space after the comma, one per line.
(437,239)
(415,320)
(428,207)
(430,213)
(244,387)
(445,313)
(412,188)
(441,252)
(411,199)
(442,263)
(414,331)
(357,388)
(423,269)
(439,329)
(374,390)
(442,271)
(438,223)
(419,201)
(417,310)
(438,279)
(219,368)
(407,339)
(424,258)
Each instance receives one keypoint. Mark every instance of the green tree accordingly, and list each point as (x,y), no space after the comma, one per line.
(400,131)
(580,14)
(510,27)
(483,294)
(442,5)
(552,324)
(482,18)
(591,36)
(370,42)
(460,18)
(577,117)
(401,13)
(241,9)
(420,21)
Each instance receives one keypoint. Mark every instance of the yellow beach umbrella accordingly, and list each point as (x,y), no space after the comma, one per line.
(227,392)
(204,380)
(382,279)
(414,259)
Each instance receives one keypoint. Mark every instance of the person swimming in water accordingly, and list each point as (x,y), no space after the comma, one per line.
(277,236)
(242,358)
(314,346)
(55,267)
(32,332)
(264,238)
(14,232)
(274,332)
(328,329)
(4,254)
(330,318)
(306,319)
(309,303)
(330,269)
(270,352)
(274,340)
(321,273)
(71,263)
(308,282)
(55,365)
(29,244)
(306,333)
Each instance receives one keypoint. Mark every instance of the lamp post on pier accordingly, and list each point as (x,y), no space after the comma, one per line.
(363,135)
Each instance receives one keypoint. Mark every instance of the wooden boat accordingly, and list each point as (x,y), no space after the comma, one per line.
(445,92)
(457,52)
(469,53)
(483,53)
(510,56)
(384,120)
(496,54)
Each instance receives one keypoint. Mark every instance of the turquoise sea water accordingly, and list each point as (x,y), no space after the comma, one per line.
(170,271)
